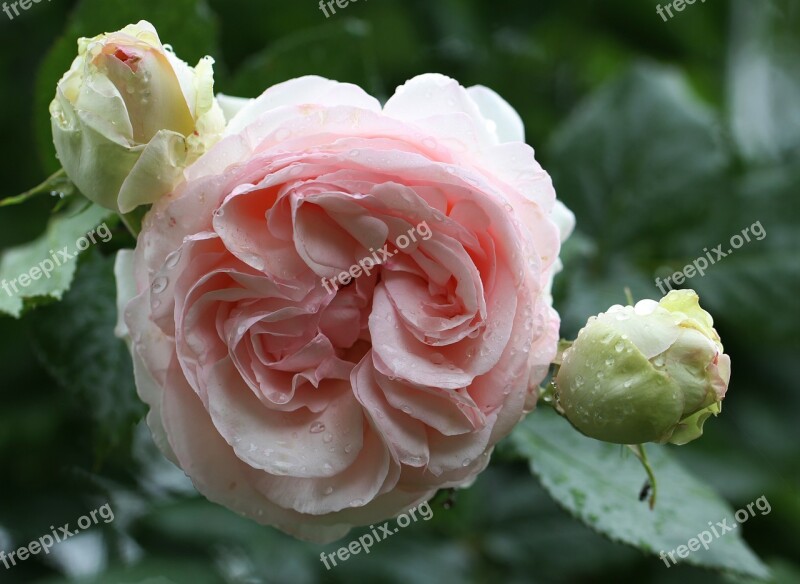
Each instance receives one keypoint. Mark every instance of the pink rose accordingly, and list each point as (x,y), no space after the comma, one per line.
(314,410)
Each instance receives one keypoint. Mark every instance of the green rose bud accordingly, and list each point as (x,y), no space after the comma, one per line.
(129,116)
(653,372)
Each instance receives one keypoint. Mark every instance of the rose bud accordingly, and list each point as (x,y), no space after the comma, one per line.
(647,373)
(129,116)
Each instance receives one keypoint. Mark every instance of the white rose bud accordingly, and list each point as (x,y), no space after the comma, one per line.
(647,373)
(129,116)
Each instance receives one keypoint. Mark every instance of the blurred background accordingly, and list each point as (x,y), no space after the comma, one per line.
(664,137)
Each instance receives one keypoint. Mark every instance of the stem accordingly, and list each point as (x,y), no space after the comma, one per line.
(641,454)
(56,182)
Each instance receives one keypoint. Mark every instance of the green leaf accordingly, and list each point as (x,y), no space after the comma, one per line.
(764,84)
(61,239)
(187,25)
(599,484)
(75,341)
(641,160)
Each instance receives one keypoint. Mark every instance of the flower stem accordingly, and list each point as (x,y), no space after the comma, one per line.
(641,454)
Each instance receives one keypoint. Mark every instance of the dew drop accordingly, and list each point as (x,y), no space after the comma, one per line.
(328,490)
(619,346)
(317,427)
(327,438)
(437,358)
(159,285)
(173,259)
(466,462)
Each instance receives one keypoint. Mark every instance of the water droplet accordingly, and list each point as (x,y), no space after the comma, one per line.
(437,358)
(659,361)
(173,259)
(628,383)
(619,346)
(327,438)
(327,467)
(407,409)
(578,381)
(466,462)
(278,397)
(356,503)
(348,449)
(159,285)
(353,153)
(609,362)
(474,334)
(328,490)
(156,304)
(317,427)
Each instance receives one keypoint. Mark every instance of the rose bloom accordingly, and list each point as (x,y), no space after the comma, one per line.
(314,410)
